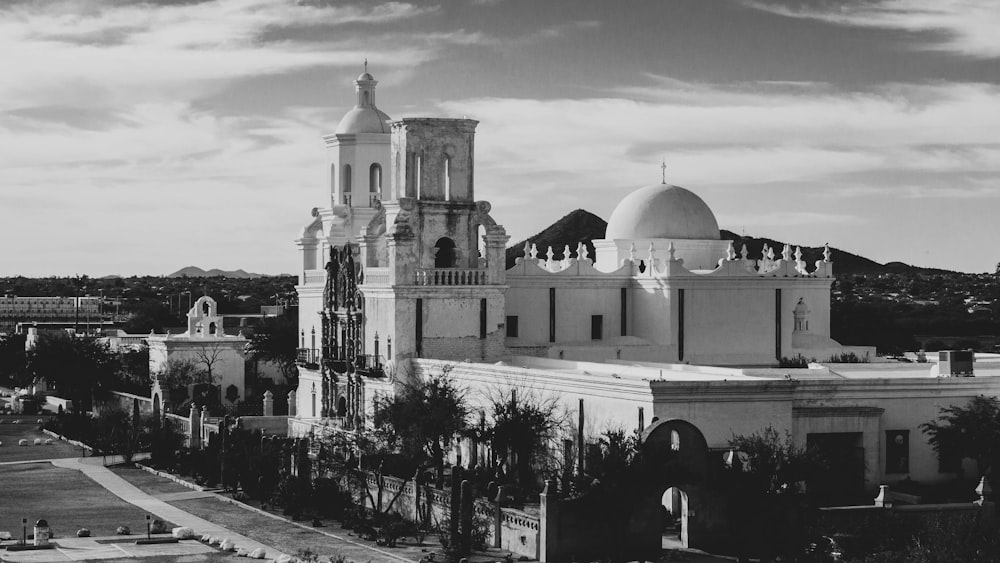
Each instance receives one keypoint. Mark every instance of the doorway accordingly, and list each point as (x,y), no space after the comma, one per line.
(674,511)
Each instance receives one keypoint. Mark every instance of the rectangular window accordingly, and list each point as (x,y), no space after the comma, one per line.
(552,314)
(897,451)
(482,318)
(511,326)
(596,327)
(680,325)
(624,299)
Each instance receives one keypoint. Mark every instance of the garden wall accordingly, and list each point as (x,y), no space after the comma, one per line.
(269,425)
(124,401)
(518,531)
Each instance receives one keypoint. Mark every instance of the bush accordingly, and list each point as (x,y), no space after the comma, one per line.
(798,361)
(849,358)
(331,500)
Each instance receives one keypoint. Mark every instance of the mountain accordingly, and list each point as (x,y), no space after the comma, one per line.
(581,225)
(196,272)
(578,226)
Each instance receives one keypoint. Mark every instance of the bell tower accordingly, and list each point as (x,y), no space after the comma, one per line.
(439,290)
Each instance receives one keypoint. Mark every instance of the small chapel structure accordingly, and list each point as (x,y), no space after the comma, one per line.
(206,345)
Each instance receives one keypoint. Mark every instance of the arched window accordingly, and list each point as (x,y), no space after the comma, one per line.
(375,178)
(333,178)
(446,177)
(205,308)
(342,407)
(212,329)
(346,185)
(444,256)
(366,97)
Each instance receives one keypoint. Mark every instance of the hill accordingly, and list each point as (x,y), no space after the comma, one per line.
(578,226)
(581,225)
(196,272)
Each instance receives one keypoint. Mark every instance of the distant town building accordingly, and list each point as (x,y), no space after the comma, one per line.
(17,309)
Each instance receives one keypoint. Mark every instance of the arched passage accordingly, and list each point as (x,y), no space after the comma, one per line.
(674,503)
(342,407)
(681,452)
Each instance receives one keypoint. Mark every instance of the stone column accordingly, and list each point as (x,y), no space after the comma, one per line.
(498,517)
(194,424)
(291,403)
(465,542)
(204,431)
(455,507)
(268,403)
(548,523)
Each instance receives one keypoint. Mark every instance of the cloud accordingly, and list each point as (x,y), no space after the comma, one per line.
(789,218)
(726,142)
(967,27)
(107,53)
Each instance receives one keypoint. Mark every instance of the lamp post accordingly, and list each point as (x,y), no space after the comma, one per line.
(147,527)
(24,531)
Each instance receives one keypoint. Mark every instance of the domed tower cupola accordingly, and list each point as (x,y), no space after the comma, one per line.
(365,87)
(359,150)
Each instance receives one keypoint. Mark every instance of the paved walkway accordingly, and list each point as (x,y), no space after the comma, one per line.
(93,467)
(89,549)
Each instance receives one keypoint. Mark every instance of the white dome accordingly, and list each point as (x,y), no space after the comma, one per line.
(662,211)
(363,120)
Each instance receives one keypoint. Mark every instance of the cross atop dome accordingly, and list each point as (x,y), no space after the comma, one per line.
(663,171)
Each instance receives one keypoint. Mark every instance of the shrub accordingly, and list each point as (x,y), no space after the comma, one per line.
(798,361)
(849,358)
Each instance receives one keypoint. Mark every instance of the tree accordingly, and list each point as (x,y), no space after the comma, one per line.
(13,361)
(523,426)
(176,374)
(207,356)
(79,368)
(766,500)
(767,464)
(423,418)
(971,431)
(134,372)
(275,341)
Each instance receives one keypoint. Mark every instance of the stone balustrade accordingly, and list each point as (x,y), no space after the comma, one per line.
(376,276)
(451,276)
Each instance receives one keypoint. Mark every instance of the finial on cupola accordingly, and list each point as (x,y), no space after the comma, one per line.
(663,172)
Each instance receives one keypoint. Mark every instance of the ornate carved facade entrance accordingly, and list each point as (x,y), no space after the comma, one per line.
(344,364)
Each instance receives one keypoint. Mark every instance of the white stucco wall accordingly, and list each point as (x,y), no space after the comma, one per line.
(229,367)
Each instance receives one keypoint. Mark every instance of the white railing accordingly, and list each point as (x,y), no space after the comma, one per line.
(376,276)
(314,276)
(451,276)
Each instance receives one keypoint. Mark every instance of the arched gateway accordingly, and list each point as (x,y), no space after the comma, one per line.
(677,490)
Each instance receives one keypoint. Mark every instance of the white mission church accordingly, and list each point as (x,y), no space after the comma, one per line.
(403,275)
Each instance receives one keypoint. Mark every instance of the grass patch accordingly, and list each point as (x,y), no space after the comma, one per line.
(148,482)
(28,429)
(67,498)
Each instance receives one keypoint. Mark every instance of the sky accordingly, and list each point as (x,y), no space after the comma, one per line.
(138,138)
